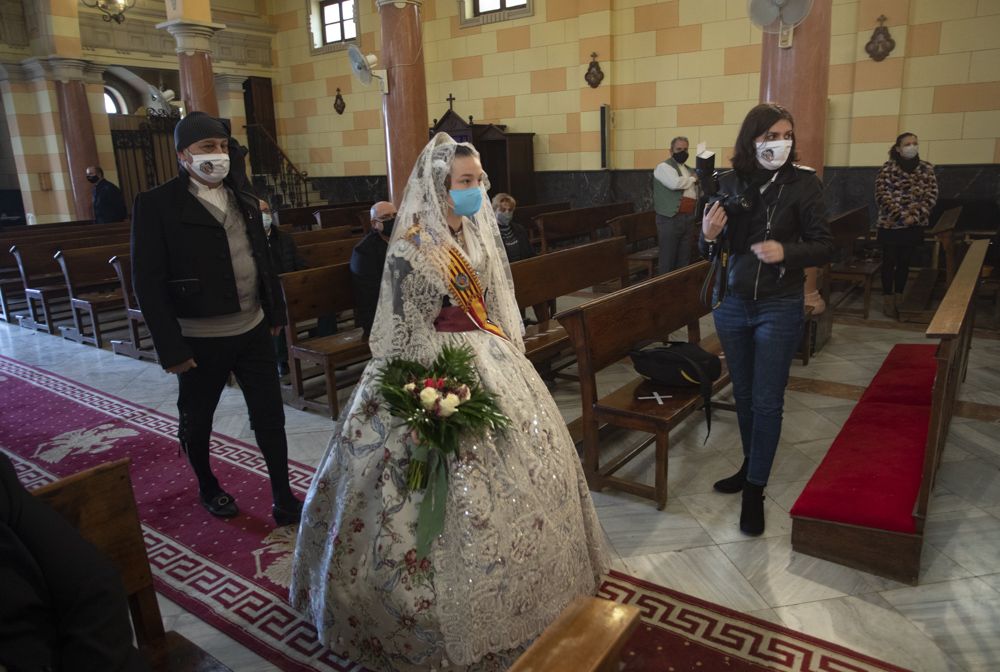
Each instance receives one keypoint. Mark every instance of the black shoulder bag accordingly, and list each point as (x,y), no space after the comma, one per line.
(681,364)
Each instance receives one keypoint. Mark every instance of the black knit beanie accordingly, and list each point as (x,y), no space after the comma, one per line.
(197,126)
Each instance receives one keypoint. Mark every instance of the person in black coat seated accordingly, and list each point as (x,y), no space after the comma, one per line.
(109,204)
(63,605)
(514,236)
(211,300)
(367,261)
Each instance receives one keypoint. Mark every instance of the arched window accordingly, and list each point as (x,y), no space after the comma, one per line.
(114,102)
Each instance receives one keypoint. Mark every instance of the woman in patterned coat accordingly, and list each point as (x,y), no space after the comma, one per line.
(905,191)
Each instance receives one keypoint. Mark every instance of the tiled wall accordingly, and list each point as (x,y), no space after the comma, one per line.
(674,67)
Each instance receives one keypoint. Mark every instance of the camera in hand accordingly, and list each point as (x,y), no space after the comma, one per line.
(708,177)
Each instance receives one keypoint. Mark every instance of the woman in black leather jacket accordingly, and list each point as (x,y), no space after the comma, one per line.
(763,248)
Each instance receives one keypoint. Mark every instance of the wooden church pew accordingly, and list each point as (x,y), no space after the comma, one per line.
(567,225)
(93,289)
(328,253)
(639,230)
(133,346)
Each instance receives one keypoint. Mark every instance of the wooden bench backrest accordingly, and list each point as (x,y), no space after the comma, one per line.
(122,263)
(297,217)
(100,504)
(329,253)
(349,216)
(952,324)
(324,235)
(549,276)
(604,330)
(37,259)
(524,214)
(315,293)
(51,225)
(947,221)
(92,231)
(847,227)
(566,224)
(88,265)
(635,227)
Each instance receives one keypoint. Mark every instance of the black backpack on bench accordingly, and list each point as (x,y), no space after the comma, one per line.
(681,364)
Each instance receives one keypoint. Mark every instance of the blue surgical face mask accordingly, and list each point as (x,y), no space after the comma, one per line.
(505,217)
(467,201)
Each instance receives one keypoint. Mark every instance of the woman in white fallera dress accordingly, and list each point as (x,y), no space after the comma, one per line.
(521,539)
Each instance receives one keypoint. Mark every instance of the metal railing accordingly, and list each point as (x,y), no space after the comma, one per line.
(273,171)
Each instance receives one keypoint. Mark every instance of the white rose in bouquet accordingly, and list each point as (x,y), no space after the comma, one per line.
(449,403)
(429,397)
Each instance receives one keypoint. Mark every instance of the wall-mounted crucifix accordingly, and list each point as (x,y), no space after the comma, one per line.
(451,101)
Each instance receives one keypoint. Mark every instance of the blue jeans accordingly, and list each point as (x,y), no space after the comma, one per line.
(760,339)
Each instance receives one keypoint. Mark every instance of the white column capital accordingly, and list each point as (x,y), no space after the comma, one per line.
(57,69)
(192,36)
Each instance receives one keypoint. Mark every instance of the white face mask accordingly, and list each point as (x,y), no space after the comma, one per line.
(909,151)
(266,216)
(211,168)
(773,155)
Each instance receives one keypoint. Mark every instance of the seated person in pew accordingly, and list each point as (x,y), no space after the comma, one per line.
(203,278)
(367,262)
(759,244)
(514,236)
(63,606)
(521,539)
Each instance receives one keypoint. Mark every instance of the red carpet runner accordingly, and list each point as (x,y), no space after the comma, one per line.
(234,574)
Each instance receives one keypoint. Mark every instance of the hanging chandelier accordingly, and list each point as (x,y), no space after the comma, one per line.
(114,10)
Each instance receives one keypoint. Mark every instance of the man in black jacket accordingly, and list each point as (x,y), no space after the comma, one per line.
(109,204)
(367,262)
(212,301)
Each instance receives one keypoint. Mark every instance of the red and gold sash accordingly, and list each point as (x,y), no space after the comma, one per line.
(463,282)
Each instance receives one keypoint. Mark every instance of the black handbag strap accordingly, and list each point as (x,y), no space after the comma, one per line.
(706,390)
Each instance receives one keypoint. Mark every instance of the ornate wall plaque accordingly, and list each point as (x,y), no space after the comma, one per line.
(594,74)
(881,44)
(338,103)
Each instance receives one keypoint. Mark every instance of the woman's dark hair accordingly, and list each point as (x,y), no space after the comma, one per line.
(460,150)
(893,152)
(755,124)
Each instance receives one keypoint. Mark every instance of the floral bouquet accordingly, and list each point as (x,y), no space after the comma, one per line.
(439,403)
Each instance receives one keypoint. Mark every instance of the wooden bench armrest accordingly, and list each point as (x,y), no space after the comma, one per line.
(588,636)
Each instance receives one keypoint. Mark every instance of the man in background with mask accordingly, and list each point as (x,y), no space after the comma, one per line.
(109,204)
(675,195)
(285,258)
(367,261)
(204,281)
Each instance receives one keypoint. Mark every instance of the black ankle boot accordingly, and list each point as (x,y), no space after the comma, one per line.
(289,512)
(734,483)
(752,515)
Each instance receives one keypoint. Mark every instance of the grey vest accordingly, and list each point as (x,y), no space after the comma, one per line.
(666,201)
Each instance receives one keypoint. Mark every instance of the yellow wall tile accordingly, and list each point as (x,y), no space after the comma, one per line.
(934,70)
(639,45)
(545,81)
(648,158)
(678,92)
(562,55)
(656,69)
(530,59)
(734,33)
(985,66)
(838,130)
(656,117)
(917,101)
(544,34)
(896,13)
(467,68)
(925,11)
(843,49)
(736,110)
(701,63)
(599,45)
(943,126)
(701,11)
(594,24)
(623,72)
(844,18)
(484,87)
(837,154)
(727,87)
(970,35)
(563,102)
(501,107)
(573,122)
(736,9)
(481,44)
(875,103)
(700,114)
(981,124)
(869,153)
(841,78)
(498,64)
(870,75)
(516,83)
(633,95)
(623,22)
(957,151)
(533,104)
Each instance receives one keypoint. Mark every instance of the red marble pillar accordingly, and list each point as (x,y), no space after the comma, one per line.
(798,78)
(194,56)
(405,106)
(79,142)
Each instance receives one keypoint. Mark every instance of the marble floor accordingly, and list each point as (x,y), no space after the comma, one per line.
(950,621)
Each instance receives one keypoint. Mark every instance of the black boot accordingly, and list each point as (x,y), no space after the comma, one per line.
(287,513)
(734,483)
(752,515)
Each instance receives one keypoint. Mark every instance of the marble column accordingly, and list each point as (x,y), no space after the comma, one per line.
(78,137)
(404,108)
(194,55)
(798,77)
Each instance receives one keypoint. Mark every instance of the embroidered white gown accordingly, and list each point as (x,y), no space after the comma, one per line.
(521,539)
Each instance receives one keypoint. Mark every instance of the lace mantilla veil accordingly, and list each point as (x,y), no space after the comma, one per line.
(420,237)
